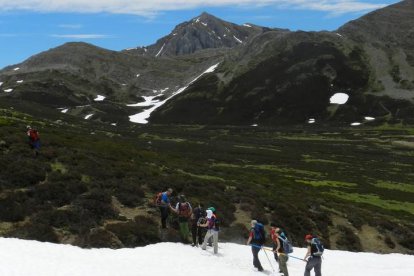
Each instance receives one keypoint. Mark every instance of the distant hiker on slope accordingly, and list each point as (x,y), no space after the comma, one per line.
(184,210)
(315,251)
(212,230)
(34,140)
(281,256)
(256,240)
(198,217)
(162,200)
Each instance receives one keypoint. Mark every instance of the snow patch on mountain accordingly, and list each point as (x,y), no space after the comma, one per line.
(16,69)
(339,98)
(88,116)
(142,117)
(8,90)
(237,39)
(160,51)
(1,83)
(356,124)
(369,118)
(99,98)
(19,81)
(311,121)
(148,101)
(64,110)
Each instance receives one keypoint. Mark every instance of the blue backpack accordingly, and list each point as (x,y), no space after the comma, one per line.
(286,244)
(259,234)
(317,247)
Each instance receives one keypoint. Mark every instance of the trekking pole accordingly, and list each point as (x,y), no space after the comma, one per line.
(269,261)
(296,258)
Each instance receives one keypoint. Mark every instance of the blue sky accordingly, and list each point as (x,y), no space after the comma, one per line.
(28,27)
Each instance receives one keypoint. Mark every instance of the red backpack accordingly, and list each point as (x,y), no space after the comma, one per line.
(157,199)
(34,135)
(184,210)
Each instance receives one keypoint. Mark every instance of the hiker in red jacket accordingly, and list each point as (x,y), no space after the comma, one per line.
(34,140)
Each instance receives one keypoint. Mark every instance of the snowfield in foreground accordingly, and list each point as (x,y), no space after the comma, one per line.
(31,258)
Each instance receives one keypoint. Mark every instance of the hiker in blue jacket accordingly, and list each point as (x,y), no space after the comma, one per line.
(256,240)
(165,206)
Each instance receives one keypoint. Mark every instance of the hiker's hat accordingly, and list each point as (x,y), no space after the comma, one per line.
(308,237)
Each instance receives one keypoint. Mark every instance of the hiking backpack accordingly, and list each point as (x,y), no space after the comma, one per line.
(259,233)
(157,199)
(317,247)
(184,210)
(34,135)
(286,244)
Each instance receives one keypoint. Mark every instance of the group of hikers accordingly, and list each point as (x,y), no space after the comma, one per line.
(205,222)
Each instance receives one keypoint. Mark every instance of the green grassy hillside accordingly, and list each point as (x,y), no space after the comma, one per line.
(92,184)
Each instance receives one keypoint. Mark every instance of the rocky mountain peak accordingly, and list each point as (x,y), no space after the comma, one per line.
(202,32)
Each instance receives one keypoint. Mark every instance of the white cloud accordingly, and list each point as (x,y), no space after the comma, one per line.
(80,36)
(152,7)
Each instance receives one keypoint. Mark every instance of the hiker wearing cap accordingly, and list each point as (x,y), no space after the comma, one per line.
(256,240)
(34,140)
(184,210)
(197,218)
(212,230)
(165,205)
(279,242)
(312,258)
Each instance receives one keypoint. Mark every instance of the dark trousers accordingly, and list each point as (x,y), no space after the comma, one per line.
(164,216)
(274,249)
(197,233)
(314,263)
(256,261)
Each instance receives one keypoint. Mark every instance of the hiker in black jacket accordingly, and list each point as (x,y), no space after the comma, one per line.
(196,219)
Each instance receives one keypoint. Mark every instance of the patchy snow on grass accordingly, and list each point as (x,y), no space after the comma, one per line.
(339,98)
(138,75)
(99,98)
(142,117)
(65,110)
(113,124)
(254,125)
(356,124)
(23,258)
(1,83)
(88,116)
(338,34)
(8,90)
(369,118)
(19,81)
(311,121)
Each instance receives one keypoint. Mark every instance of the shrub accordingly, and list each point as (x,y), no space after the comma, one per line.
(141,231)
(101,238)
(348,240)
(35,231)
